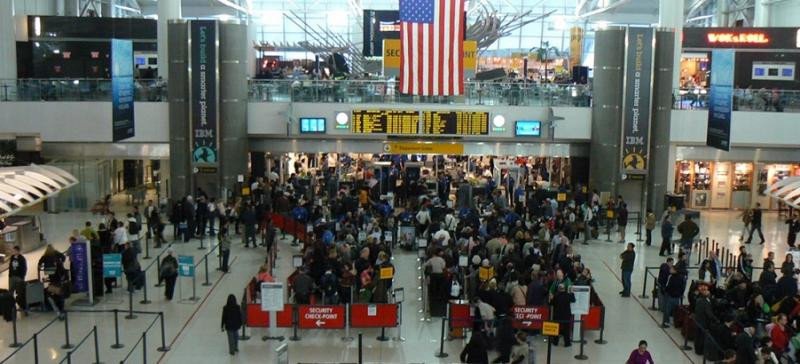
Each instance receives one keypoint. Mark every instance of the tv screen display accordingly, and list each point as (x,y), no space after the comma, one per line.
(312,125)
(528,128)
(758,71)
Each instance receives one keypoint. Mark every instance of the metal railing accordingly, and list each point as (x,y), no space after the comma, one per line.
(83,89)
(385,91)
(743,100)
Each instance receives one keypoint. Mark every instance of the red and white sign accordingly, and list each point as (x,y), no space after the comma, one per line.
(321,317)
(377,315)
(529,317)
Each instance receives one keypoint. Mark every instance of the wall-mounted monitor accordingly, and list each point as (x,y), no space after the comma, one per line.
(312,125)
(531,128)
(774,71)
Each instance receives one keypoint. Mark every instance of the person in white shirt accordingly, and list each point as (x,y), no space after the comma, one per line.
(442,236)
(120,235)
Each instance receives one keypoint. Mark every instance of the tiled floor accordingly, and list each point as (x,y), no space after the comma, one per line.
(192,328)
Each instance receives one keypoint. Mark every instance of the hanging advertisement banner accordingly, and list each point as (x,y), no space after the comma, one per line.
(637,100)
(122,89)
(204,109)
(79,265)
(720,100)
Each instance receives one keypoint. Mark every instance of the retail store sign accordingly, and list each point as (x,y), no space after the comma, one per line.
(737,38)
(423,148)
(321,317)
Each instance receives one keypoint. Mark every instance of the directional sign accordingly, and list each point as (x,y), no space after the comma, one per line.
(529,317)
(321,317)
(112,265)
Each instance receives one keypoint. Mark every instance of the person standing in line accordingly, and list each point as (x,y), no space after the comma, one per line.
(794,228)
(666,235)
(663,275)
(17,271)
(673,291)
(649,225)
(622,220)
(476,350)
(224,247)
(640,355)
(231,323)
(756,224)
(704,317)
(627,257)
(562,312)
(169,273)
(688,230)
(745,350)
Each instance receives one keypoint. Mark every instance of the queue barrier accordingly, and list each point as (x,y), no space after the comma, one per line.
(384,315)
(290,226)
(258,318)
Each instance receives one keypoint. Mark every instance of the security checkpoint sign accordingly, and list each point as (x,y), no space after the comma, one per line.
(550,328)
(321,317)
(529,317)
(112,265)
(186,265)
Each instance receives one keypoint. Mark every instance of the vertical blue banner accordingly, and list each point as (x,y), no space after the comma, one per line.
(720,99)
(122,89)
(79,265)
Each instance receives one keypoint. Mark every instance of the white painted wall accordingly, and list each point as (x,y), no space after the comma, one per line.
(783,13)
(82,121)
(748,128)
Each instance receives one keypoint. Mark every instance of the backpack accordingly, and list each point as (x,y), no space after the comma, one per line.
(329,284)
(133,228)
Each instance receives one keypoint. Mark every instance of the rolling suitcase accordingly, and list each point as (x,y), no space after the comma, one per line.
(34,293)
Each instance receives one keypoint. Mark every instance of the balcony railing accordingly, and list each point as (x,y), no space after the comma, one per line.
(30,89)
(743,100)
(365,91)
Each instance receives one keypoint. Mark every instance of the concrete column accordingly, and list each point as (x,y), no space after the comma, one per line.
(604,158)
(8,41)
(761,16)
(234,54)
(721,14)
(178,91)
(167,10)
(107,9)
(252,37)
(658,172)
(671,16)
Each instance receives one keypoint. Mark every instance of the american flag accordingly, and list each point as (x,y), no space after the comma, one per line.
(432,47)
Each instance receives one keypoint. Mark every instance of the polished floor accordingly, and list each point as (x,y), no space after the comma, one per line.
(192,328)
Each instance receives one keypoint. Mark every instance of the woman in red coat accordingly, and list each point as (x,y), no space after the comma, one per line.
(780,335)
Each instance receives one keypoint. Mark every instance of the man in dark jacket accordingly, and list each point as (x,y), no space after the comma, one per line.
(688,230)
(627,257)
(745,352)
(249,220)
(703,316)
(622,220)
(537,293)
(302,286)
(132,268)
(562,312)
(756,224)
(673,291)
(17,270)
(663,274)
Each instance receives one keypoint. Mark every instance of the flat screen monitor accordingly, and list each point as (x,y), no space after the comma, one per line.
(312,125)
(528,128)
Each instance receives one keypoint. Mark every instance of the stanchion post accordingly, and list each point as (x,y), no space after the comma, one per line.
(347,336)
(144,301)
(202,237)
(399,322)
(117,344)
(644,284)
(158,269)
(96,346)
(639,227)
(205,264)
(295,320)
(581,356)
(16,343)
(36,348)
(441,353)
(66,345)
(164,347)
(146,246)
(194,289)
(600,340)
(144,347)
(360,349)
(130,315)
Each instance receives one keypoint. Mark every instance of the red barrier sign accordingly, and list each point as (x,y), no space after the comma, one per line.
(460,316)
(321,317)
(373,315)
(529,317)
(258,318)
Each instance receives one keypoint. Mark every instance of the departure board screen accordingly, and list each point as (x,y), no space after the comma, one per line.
(456,122)
(385,121)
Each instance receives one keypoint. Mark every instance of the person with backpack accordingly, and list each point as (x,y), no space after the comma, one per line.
(329,284)
(133,233)
(169,273)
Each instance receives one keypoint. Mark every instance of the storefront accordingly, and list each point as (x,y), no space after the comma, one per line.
(765,57)
(729,184)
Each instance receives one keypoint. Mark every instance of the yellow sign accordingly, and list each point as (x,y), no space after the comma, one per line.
(575,46)
(423,148)
(245,191)
(561,197)
(387,273)
(391,54)
(550,328)
(485,274)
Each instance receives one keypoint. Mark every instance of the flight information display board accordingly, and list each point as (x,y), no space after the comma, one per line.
(455,122)
(385,122)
